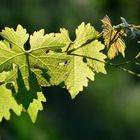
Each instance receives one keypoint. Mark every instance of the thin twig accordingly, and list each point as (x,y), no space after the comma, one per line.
(129,61)
(109,63)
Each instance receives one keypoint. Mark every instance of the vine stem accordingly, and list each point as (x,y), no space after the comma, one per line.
(129,61)
(112,64)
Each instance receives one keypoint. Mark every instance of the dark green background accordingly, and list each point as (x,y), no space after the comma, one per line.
(109,108)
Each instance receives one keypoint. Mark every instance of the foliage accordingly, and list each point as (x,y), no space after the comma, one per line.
(54,59)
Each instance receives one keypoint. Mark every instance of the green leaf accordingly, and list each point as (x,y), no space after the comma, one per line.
(35,106)
(7,101)
(78,75)
(39,56)
(85,46)
(43,58)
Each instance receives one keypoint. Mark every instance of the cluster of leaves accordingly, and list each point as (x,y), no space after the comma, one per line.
(51,59)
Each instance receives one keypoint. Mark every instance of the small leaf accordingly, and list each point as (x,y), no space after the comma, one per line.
(113,38)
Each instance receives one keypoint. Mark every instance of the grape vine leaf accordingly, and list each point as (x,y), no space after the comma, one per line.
(25,75)
(7,101)
(113,38)
(84,46)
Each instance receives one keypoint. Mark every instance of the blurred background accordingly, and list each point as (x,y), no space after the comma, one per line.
(109,108)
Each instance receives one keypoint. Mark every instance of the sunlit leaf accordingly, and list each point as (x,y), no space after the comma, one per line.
(27,73)
(85,45)
(113,38)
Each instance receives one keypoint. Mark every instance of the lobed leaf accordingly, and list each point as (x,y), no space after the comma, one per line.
(27,66)
(84,46)
(113,38)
